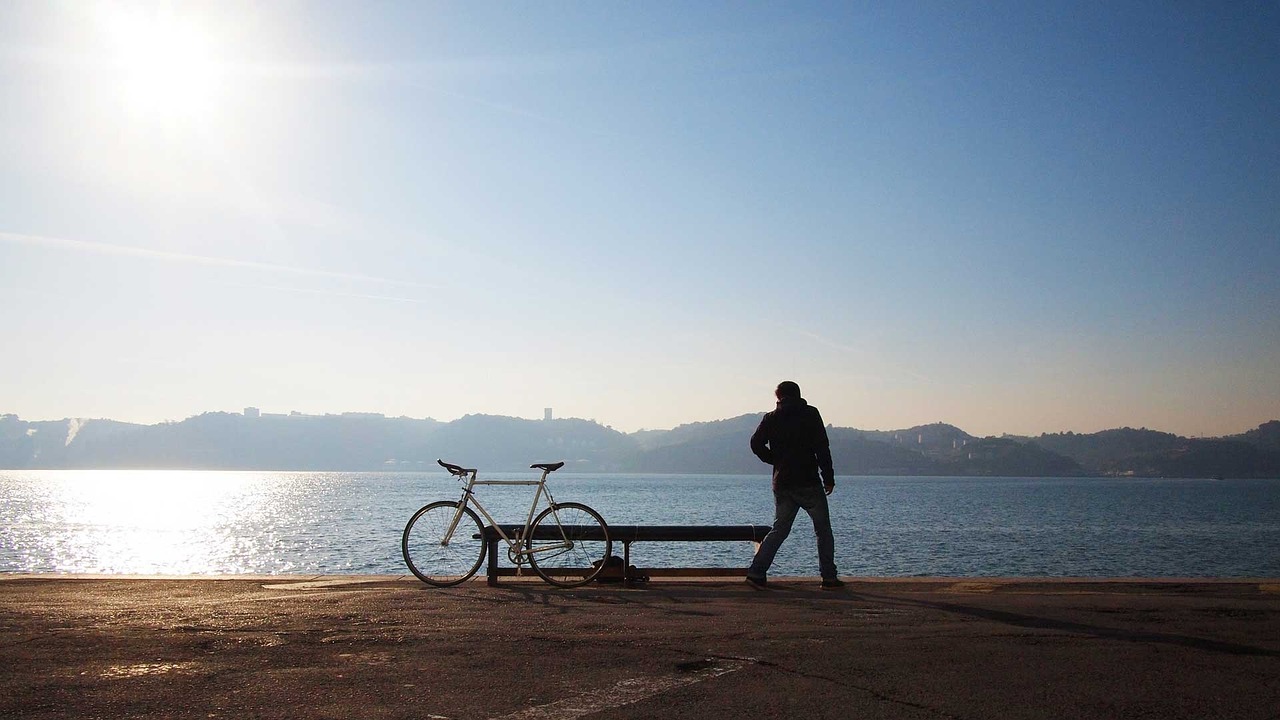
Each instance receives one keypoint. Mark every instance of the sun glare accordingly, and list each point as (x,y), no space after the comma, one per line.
(153,521)
(163,67)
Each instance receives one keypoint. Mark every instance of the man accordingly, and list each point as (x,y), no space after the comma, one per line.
(793,440)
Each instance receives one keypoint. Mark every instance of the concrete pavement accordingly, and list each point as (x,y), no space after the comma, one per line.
(390,647)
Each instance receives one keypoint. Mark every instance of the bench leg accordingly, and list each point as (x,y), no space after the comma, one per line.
(492,574)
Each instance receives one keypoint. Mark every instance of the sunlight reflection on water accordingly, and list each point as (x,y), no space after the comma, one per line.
(204,522)
(184,522)
(153,522)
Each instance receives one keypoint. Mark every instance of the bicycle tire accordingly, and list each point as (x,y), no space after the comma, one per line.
(433,562)
(586,555)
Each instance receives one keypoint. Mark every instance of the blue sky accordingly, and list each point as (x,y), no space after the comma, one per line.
(1011,217)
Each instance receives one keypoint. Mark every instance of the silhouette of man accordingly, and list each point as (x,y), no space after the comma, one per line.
(793,439)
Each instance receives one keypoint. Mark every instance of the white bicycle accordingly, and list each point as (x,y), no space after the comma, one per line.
(567,544)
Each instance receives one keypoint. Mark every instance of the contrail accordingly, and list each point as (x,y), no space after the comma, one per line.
(829,343)
(128,251)
(359,296)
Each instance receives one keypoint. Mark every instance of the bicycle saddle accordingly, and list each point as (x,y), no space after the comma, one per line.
(549,467)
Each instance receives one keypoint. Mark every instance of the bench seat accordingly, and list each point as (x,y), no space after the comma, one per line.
(627,534)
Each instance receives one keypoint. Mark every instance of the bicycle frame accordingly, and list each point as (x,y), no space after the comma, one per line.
(515,544)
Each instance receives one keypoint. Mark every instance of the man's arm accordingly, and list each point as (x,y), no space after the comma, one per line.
(760,442)
(822,449)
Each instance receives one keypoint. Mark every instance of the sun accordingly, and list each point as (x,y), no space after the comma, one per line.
(163,67)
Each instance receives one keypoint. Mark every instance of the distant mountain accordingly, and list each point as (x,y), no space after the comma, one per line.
(1266,436)
(1220,458)
(62,443)
(721,446)
(504,443)
(215,441)
(938,449)
(1009,458)
(1149,453)
(694,432)
(1115,452)
(303,442)
(853,452)
(935,439)
(354,441)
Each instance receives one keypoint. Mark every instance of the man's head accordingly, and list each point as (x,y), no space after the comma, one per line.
(787,389)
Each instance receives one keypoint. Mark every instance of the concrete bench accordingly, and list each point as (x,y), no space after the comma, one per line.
(627,534)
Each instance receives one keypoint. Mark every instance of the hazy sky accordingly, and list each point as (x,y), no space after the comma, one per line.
(1013,217)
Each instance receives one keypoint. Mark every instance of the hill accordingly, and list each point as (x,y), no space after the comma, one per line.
(1150,453)
(356,441)
(936,439)
(1266,436)
(937,449)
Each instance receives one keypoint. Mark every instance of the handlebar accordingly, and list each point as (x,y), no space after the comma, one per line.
(456,469)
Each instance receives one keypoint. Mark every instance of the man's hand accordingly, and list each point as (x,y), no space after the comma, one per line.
(829,486)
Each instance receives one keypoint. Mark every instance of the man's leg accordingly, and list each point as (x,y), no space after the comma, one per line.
(784,513)
(814,502)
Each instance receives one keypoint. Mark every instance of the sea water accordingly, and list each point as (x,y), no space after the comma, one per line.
(206,522)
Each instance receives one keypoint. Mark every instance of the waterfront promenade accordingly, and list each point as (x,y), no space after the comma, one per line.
(389,647)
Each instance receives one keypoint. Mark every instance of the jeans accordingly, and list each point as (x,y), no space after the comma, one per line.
(787,502)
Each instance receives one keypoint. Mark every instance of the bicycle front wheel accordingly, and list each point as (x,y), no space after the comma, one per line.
(570,544)
(438,560)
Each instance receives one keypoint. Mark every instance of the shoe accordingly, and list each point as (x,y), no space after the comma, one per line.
(832,584)
(757,583)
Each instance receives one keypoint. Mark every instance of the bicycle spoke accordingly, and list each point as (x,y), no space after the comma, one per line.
(429,557)
(587,549)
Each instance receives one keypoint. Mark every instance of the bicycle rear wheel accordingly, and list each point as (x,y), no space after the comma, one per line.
(428,556)
(572,549)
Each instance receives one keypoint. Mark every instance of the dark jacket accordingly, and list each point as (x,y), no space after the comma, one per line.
(793,440)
